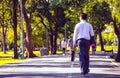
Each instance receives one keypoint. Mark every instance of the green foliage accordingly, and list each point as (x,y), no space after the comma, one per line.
(5,19)
(62,13)
(10,36)
(39,36)
(115,9)
(5,13)
(98,13)
(108,37)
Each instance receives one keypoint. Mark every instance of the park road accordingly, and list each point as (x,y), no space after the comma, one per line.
(58,66)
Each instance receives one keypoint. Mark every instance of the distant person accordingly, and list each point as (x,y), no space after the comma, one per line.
(70,45)
(82,33)
(63,45)
(93,48)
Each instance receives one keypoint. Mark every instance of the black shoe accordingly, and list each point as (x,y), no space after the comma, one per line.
(83,74)
(88,70)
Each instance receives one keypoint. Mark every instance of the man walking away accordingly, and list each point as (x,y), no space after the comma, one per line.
(82,33)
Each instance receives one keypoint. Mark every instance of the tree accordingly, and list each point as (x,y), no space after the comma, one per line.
(115,13)
(54,13)
(99,13)
(28,30)
(36,25)
(57,14)
(4,21)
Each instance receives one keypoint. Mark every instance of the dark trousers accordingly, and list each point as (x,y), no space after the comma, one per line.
(84,46)
(72,55)
(64,49)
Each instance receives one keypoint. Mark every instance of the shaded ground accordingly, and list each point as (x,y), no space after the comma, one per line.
(60,67)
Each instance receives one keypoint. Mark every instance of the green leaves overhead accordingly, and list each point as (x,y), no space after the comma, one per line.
(115,11)
(60,3)
(98,13)
(66,12)
(103,12)
(55,2)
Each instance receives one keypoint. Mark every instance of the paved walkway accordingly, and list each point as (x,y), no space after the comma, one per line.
(60,67)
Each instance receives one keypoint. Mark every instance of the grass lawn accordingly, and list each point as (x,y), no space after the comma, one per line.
(98,48)
(8,60)
(8,57)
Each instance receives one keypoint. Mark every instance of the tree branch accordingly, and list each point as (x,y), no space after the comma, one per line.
(43,22)
(35,26)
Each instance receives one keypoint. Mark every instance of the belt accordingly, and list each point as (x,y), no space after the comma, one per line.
(81,39)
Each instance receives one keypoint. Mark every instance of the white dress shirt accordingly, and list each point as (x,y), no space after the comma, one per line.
(82,30)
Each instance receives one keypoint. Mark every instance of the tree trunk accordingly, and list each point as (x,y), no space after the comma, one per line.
(51,41)
(15,27)
(100,36)
(54,42)
(117,32)
(55,39)
(3,32)
(28,31)
(117,59)
(3,40)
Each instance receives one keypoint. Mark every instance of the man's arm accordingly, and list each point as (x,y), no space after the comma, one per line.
(75,36)
(92,35)
(91,31)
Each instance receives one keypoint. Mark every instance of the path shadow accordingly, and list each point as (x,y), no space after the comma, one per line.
(57,75)
(51,63)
